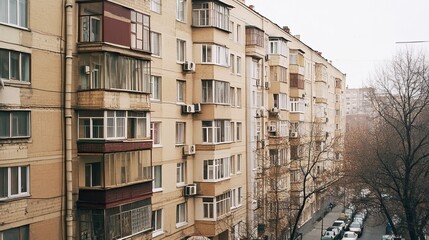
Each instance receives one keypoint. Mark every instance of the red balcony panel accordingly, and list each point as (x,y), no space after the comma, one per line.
(111,197)
(112,146)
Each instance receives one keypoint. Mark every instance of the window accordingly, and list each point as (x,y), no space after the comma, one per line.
(256,72)
(180,133)
(180,173)
(181,10)
(14,12)
(278,73)
(223,204)
(215,54)
(127,167)
(156,133)
(232,131)
(232,63)
(239,157)
(214,91)
(93,174)
(238,38)
(210,14)
(216,169)
(113,71)
(155,87)
(155,6)
(113,125)
(281,101)
(238,65)
(238,97)
(232,96)
(297,105)
(278,46)
(157,222)
(140,31)
(181,90)
(14,124)
(157,178)
(155,42)
(238,132)
(14,182)
(90,24)
(254,36)
(14,65)
(181,215)
(231,28)
(232,165)
(18,233)
(181,50)
(208,207)
(217,131)
(236,197)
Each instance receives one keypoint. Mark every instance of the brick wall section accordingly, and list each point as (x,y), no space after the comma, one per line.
(26,209)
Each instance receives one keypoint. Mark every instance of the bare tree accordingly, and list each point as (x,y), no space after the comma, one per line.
(397,143)
(313,160)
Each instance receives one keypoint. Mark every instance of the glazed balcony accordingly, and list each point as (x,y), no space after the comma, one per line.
(255,42)
(104,26)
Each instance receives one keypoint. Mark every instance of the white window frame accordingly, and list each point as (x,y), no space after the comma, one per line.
(181,215)
(238,97)
(180,91)
(215,54)
(214,91)
(155,88)
(155,6)
(180,174)
(208,208)
(239,131)
(216,131)
(156,131)
(21,11)
(223,204)
(21,181)
(90,166)
(18,61)
(238,65)
(140,31)
(239,163)
(181,50)
(181,10)
(157,222)
(278,46)
(156,44)
(215,170)
(281,101)
(297,105)
(157,178)
(14,123)
(180,133)
(232,96)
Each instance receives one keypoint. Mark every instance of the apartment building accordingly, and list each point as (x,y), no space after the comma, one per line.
(167,120)
(31,120)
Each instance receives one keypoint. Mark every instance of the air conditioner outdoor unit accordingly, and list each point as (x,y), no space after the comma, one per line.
(272,128)
(259,113)
(86,69)
(267,85)
(293,134)
(197,107)
(188,109)
(189,150)
(190,190)
(188,66)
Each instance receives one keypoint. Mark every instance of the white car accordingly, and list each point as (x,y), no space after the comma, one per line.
(356,227)
(350,236)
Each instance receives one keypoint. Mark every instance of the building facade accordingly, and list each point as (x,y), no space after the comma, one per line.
(166,120)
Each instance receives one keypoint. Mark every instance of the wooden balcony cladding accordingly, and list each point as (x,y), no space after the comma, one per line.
(111,197)
(104,99)
(213,147)
(94,146)
(297,81)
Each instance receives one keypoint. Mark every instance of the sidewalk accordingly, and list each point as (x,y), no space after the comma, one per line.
(313,232)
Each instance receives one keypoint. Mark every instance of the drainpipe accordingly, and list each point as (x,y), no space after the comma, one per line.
(68,119)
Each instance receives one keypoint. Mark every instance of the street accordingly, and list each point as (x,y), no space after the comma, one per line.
(374,228)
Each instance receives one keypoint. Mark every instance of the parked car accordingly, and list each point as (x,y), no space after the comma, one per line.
(340,224)
(350,236)
(346,221)
(357,228)
(332,233)
(358,219)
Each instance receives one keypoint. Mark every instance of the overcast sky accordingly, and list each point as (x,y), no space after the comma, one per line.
(357,35)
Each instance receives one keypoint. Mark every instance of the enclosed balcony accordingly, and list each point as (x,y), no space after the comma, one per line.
(112,179)
(255,44)
(113,131)
(104,25)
